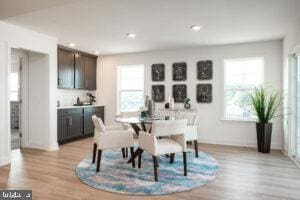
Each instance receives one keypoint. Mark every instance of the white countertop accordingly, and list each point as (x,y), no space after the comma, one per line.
(87,106)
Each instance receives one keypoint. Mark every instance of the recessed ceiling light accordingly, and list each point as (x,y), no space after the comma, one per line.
(96,52)
(71,44)
(131,35)
(195,27)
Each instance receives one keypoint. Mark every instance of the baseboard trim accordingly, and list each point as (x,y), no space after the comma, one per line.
(235,143)
(36,146)
(297,163)
(4,161)
(53,147)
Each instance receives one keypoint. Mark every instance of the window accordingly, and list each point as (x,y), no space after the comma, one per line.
(130,88)
(14,86)
(241,76)
(295,63)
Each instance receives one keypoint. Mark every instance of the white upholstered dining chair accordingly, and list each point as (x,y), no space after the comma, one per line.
(192,128)
(176,143)
(110,138)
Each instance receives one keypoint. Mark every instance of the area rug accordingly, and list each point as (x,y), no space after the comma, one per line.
(119,177)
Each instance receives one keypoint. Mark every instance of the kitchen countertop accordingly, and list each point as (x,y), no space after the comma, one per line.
(87,106)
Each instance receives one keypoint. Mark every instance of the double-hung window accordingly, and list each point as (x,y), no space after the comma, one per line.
(130,88)
(241,76)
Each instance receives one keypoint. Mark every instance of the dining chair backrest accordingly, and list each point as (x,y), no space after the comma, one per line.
(190,116)
(98,124)
(169,127)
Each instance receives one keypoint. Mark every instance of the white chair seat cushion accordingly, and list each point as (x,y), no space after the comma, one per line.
(114,139)
(166,146)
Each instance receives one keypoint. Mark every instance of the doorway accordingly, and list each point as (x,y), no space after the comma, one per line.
(19,59)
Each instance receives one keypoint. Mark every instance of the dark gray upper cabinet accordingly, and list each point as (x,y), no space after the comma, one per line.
(90,72)
(79,71)
(76,69)
(65,60)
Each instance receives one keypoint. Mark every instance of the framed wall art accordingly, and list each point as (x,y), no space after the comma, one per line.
(179,93)
(205,70)
(158,93)
(158,72)
(179,71)
(204,93)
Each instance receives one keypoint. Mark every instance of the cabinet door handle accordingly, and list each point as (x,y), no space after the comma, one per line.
(71,121)
(86,83)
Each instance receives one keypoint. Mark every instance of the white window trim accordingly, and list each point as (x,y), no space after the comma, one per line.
(223,117)
(118,85)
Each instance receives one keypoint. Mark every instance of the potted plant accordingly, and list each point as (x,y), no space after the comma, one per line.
(264,107)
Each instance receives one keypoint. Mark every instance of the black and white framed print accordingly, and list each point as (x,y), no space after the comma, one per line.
(205,70)
(204,93)
(158,93)
(179,71)
(179,93)
(158,72)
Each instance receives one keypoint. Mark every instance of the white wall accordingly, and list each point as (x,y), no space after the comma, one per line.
(211,128)
(13,36)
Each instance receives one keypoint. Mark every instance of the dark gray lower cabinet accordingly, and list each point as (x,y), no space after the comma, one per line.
(88,113)
(76,123)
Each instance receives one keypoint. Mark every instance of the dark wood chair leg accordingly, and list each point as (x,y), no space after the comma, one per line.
(143,127)
(126,152)
(99,160)
(140,158)
(155,168)
(132,152)
(123,152)
(172,157)
(94,152)
(196,148)
(184,164)
(136,153)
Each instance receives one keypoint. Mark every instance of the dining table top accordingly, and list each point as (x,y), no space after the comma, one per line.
(139,120)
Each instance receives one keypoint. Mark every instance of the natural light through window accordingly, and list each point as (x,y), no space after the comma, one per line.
(14,86)
(241,76)
(130,88)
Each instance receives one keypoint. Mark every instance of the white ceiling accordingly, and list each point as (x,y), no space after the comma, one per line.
(10,8)
(159,24)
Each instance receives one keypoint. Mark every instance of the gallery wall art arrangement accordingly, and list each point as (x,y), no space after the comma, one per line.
(179,73)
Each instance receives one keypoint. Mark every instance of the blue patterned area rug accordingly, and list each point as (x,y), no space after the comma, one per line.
(119,177)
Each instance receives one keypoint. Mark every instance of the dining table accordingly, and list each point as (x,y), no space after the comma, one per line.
(137,123)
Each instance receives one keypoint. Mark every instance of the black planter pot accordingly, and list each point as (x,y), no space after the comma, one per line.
(264,134)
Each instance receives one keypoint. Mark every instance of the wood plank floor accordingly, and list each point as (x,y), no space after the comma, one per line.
(245,174)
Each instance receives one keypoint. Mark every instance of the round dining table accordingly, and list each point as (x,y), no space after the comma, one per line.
(137,124)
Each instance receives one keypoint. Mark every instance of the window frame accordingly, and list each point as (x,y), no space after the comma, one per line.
(132,90)
(224,117)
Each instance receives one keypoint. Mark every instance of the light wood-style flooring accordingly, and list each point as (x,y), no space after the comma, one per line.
(245,174)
